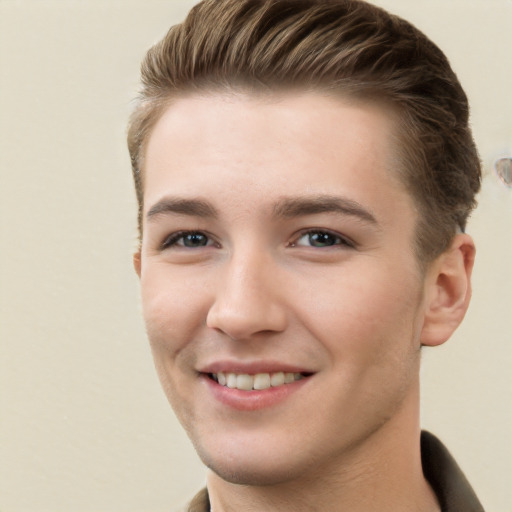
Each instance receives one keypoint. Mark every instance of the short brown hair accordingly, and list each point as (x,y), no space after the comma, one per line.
(328,45)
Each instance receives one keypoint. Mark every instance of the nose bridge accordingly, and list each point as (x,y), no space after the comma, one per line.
(247,299)
(247,273)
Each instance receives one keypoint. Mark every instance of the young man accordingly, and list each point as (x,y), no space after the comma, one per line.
(304,171)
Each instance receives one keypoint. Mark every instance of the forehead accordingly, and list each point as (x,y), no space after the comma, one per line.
(258,148)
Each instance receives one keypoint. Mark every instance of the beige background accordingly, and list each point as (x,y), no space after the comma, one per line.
(84,426)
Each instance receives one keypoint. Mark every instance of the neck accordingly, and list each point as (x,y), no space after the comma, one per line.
(383,473)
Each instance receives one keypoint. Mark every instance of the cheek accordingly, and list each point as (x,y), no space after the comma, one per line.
(173,317)
(173,309)
(367,313)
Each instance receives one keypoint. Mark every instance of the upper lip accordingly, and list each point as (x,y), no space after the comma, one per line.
(253,367)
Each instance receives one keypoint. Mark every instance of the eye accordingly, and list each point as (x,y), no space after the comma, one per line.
(188,240)
(320,238)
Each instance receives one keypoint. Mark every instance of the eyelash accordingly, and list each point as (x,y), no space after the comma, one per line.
(173,239)
(339,240)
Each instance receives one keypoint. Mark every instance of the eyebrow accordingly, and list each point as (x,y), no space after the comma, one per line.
(180,206)
(301,206)
(288,207)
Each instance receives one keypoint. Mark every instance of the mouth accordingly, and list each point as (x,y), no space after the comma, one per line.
(256,382)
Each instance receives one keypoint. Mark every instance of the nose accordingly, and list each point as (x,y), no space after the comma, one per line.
(247,299)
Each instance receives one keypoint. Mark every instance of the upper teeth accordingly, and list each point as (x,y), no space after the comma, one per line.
(259,381)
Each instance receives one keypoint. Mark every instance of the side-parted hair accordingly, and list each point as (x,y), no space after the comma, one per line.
(348,47)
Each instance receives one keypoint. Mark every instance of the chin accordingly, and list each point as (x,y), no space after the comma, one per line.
(249,474)
(250,466)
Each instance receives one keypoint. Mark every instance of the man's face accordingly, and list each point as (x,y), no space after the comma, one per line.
(279,243)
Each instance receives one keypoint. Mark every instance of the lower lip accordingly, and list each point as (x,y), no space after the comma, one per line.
(256,399)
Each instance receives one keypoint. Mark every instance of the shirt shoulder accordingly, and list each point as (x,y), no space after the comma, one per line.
(200,502)
(449,483)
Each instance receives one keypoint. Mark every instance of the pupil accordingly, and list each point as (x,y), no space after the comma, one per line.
(195,240)
(321,239)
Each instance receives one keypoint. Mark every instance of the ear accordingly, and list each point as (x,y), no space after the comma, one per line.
(448,291)
(137,264)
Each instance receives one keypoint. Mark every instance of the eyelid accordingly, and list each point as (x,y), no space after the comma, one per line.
(171,239)
(345,241)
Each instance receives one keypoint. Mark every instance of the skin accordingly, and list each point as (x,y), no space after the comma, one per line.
(352,311)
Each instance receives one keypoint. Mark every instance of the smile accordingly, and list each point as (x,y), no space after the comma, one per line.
(257,382)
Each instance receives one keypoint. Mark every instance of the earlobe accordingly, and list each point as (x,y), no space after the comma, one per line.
(448,291)
(137,263)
